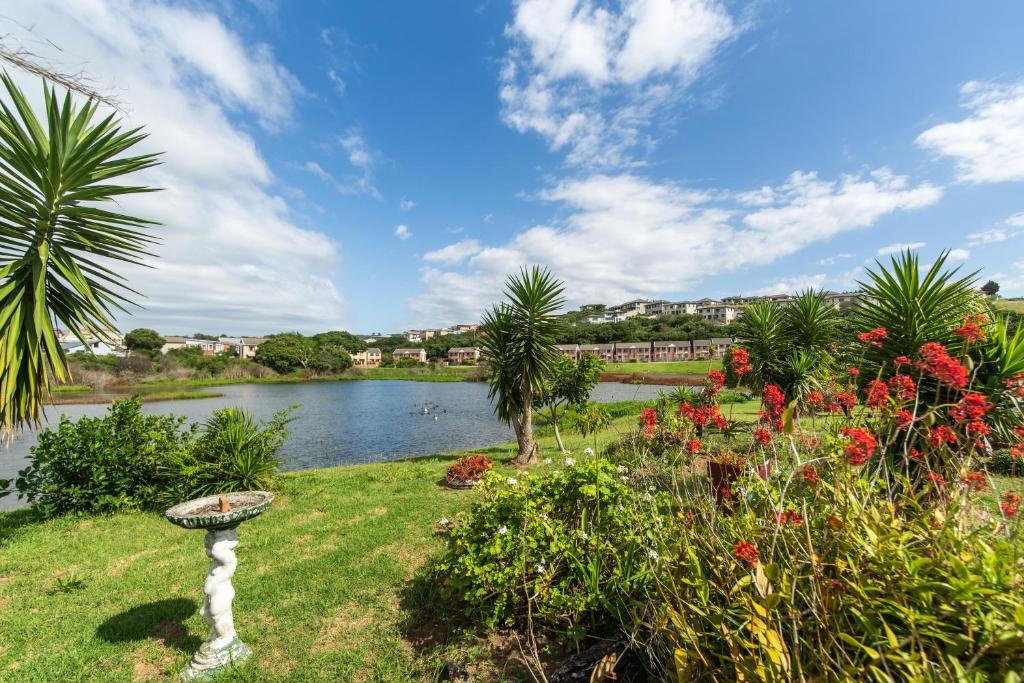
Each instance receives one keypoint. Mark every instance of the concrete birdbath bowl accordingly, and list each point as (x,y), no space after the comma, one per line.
(219,516)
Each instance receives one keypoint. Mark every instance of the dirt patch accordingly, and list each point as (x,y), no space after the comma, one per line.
(146,668)
(340,628)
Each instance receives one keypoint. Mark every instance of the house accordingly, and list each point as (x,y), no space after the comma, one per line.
(843,300)
(603,351)
(719,346)
(419,355)
(171,343)
(247,346)
(370,358)
(632,352)
(464,328)
(719,313)
(570,351)
(415,336)
(607,317)
(463,354)
(702,349)
(93,346)
(679,308)
(665,351)
(631,309)
(209,347)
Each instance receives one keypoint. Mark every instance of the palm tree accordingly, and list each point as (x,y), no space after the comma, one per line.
(519,340)
(810,322)
(761,330)
(56,243)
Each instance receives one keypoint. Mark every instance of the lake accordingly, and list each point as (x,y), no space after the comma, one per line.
(341,423)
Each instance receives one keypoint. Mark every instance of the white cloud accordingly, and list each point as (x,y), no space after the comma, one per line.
(232,256)
(624,236)
(339,82)
(453,253)
(791,285)
(589,79)
(1011,284)
(1016,220)
(900,246)
(1000,234)
(402,232)
(958,255)
(832,260)
(406,204)
(988,145)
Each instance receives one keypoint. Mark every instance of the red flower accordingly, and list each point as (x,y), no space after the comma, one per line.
(874,337)
(940,435)
(844,402)
(904,418)
(1009,504)
(810,474)
(936,478)
(649,418)
(693,446)
(862,444)
(975,481)
(814,398)
(787,517)
(746,552)
(878,394)
(972,406)
(1016,385)
(977,429)
(915,454)
(854,372)
(900,360)
(762,436)
(903,386)
(715,381)
(739,358)
(971,330)
(1017,451)
(937,362)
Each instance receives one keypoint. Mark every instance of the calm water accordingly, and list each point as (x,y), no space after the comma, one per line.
(340,423)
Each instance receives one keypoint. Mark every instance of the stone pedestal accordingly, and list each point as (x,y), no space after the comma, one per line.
(222,648)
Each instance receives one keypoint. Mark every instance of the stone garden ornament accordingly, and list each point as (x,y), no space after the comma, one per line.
(220,517)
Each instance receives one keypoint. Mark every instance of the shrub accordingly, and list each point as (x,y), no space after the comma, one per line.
(232,453)
(578,541)
(102,464)
(470,468)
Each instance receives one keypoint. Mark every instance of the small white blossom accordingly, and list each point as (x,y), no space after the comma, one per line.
(622,469)
(584,535)
(512,481)
(540,568)
(648,496)
(443,521)
(652,489)
(503,530)
(658,523)
(653,555)
(569,462)
(547,461)
(544,516)
(624,478)
(588,451)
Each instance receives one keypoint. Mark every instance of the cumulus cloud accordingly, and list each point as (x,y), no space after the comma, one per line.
(1012,227)
(406,204)
(453,253)
(958,255)
(233,258)
(900,246)
(402,232)
(624,236)
(988,145)
(589,78)
(791,285)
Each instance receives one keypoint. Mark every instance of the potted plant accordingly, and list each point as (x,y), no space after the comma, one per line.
(468,471)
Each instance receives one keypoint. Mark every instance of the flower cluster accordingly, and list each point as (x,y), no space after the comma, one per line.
(649,420)
(784,517)
(877,394)
(937,362)
(470,467)
(1009,504)
(773,403)
(701,416)
(971,330)
(903,387)
(862,444)
(745,551)
(842,402)
(874,337)
(974,481)
(714,382)
(739,360)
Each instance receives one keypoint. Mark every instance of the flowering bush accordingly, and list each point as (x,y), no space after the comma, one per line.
(469,468)
(574,546)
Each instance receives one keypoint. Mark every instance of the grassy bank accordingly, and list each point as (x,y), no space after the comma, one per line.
(683,367)
(62,399)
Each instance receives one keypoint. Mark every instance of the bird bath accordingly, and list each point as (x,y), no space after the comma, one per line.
(219,516)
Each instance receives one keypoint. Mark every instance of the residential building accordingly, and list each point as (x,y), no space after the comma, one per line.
(679,308)
(463,354)
(631,309)
(719,313)
(247,346)
(632,352)
(570,351)
(93,346)
(719,346)
(701,349)
(665,351)
(842,300)
(370,358)
(603,351)
(415,354)
(171,343)
(415,336)
(464,328)
(606,317)
(209,347)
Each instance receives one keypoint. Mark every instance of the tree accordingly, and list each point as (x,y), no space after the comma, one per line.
(990,288)
(570,385)
(57,243)
(519,340)
(286,353)
(143,339)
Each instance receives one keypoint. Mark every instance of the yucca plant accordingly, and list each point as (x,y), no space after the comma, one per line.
(57,241)
(761,329)
(519,340)
(810,322)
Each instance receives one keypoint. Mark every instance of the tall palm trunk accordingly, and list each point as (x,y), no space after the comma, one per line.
(527,453)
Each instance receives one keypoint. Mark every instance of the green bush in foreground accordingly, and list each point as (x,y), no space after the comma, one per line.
(573,547)
(127,460)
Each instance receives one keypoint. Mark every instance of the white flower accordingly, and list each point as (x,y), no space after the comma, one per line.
(624,478)
(547,461)
(588,451)
(652,489)
(658,523)
(653,555)
(569,462)
(544,515)
(503,530)
(540,568)
(512,481)
(443,521)
(622,469)
(584,535)
(648,496)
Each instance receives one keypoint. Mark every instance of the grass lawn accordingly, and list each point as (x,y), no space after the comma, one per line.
(682,367)
(1011,304)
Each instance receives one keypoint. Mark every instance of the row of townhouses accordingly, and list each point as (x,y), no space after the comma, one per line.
(650,352)
(244,347)
(417,336)
(721,311)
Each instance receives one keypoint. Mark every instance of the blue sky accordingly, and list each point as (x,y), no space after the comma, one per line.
(379,166)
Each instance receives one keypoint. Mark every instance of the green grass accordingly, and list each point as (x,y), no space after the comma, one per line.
(682,367)
(441,374)
(1016,305)
(70,388)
